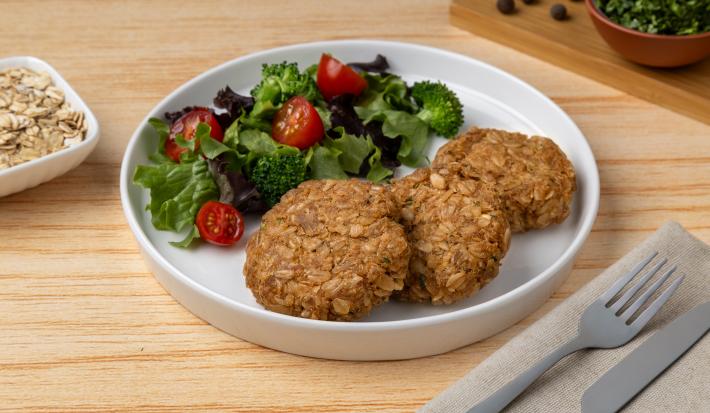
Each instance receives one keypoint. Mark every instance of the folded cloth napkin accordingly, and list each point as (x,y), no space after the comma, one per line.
(684,387)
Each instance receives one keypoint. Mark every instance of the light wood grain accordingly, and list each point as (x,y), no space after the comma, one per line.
(575,44)
(84,326)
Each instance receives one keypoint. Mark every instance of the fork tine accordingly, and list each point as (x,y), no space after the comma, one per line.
(620,283)
(656,304)
(652,289)
(631,291)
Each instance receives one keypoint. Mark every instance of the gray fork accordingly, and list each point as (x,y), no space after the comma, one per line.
(603,325)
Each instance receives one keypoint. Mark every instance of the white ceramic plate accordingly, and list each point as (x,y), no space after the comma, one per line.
(209,281)
(37,171)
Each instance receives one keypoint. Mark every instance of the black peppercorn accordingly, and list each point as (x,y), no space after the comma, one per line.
(558,11)
(506,6)
(528,1)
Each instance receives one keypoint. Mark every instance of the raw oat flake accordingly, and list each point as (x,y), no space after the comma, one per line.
(35,119)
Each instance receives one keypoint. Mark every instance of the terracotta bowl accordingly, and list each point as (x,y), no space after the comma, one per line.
(650,49)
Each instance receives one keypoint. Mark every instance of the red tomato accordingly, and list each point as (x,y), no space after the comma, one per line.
(186,125)
(297,124)
(335,78)
(219,223)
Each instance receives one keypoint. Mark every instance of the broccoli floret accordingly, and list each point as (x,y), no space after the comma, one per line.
(281,81)
(274,175)
(440,107)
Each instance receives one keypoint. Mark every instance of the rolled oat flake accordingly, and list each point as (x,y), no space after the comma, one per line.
(35,119)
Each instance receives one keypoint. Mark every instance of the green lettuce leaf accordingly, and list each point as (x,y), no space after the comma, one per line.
(184,143)
(323,163)
(248,141)
(378,172)
(353,149)
(414,132)
(388,92)
(231,135)
(163,131)
(212,148)
(324,114)
(177,191)
(209,146)
(249,145)
(356,150)
(189,238)
(256,144)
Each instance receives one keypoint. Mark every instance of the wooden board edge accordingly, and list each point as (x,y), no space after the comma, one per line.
(643,87)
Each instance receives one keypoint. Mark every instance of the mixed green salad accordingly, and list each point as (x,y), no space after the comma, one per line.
(329,121)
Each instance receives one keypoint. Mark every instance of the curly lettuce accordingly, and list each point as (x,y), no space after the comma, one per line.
(177,191)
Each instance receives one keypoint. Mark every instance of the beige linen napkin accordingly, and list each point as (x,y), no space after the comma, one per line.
(684,387)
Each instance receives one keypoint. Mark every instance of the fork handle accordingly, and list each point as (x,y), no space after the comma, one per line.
(506,394)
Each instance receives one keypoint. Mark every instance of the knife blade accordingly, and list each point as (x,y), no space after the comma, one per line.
(623,381)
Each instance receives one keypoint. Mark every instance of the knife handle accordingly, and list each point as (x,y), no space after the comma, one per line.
(506,394)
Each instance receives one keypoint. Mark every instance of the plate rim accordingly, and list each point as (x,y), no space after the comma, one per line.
(569,253)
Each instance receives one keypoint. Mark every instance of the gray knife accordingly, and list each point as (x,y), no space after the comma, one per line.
(622,382)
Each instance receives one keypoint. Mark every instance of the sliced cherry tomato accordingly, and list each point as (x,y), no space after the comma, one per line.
(219,223)
(335,78)
(186,125)
(297,124)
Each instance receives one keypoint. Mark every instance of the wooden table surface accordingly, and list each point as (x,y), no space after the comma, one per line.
(84,326)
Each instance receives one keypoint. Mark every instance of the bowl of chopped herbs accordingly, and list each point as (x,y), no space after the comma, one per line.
(657,33)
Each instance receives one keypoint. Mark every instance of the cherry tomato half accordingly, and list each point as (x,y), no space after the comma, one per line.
(186,125)
(335,78)
(219,223)
(297,124)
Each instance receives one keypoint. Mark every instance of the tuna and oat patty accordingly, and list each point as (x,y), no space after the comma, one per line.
(457,232)
(533,177)
(330,250)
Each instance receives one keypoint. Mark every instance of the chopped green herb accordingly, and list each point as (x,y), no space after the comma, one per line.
(672,17)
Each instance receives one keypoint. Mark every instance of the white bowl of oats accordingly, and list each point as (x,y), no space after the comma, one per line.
(45,127)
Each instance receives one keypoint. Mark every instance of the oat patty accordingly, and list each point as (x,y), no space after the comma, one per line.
(533,176)
(330,250)
(457,232)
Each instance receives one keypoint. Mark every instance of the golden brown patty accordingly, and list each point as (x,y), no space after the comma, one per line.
(533,176)
(457,149)
(330,250)
(457,232)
